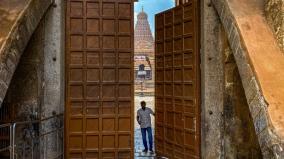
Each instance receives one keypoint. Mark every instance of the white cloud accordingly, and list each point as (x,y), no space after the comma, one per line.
(135,18)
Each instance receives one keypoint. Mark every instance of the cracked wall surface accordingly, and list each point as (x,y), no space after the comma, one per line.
(19,19)
(240,140)
(274,10)
(259,60)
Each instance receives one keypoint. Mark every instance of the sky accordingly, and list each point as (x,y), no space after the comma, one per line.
(152,7)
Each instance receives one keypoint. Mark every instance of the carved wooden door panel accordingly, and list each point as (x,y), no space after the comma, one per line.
(99,79)
(177,83)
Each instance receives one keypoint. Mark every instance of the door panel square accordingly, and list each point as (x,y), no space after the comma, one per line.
(76,25)
(108,91)
(76,92)
(108,124)
(108,141)
(189,123)
(188,27)
(124,75)
(124,124)
(168,90)
(93,25)
(108,42)
(169,17)
(109,59)
(124,42)
(109,108)
(92,125)
(169,46)
(76,9)
(188,75)
(124,10)
(93,75)
(108,9)
(93,59)
(93,42)
(76,42)
(125,59)
(124,91)
(92,155)
(76,108)
(188,59)
(178,90)
(124,141)
(188,43)
(92,141)
(93,9)
(75,142)
(168,75)
(124,26)
(93,108)
(76,125)
(76,58)
(178,45)
(160,48)
(76,75)
(108,26)
(169,32)
(188,90)
(178,75)
(108,75)
(93,91)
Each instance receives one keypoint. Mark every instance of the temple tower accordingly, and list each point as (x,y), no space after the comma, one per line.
(144,56)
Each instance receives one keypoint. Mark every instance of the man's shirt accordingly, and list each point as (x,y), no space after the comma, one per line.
(144,117)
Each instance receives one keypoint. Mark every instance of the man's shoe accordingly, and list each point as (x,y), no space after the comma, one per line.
(145,151)
(151,151)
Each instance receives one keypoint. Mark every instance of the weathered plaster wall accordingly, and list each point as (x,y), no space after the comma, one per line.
(250,48)
(24,95)
(37,88)
(274,10)
(19,25)
(53,87)
(240,140)
(211,82)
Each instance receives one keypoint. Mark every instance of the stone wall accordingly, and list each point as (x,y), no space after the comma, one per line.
(211,82)
(53,100)
(37,89)
(240,140)
(19,30)
(231,15)
(274,10)
(24,95)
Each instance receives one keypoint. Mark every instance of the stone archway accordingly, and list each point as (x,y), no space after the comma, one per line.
(21,20)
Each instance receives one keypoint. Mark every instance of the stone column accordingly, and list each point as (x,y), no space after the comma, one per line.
(53,86)
(212,40)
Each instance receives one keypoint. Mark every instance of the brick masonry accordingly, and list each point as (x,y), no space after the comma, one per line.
(271,144)
(19,36)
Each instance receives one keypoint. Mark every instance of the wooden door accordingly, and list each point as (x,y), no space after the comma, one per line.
(177,83)
(99,79)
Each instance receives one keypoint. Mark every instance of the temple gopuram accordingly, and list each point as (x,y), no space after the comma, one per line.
(144,56)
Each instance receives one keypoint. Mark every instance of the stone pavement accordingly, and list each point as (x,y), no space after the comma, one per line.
(139,146)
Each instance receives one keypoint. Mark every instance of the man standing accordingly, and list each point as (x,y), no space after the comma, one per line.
(144,120)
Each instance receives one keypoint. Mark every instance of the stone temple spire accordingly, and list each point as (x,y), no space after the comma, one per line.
(142,28)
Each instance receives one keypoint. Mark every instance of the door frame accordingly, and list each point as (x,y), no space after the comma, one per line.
(66,122)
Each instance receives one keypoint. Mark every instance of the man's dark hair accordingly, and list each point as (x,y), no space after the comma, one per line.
(143,102)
